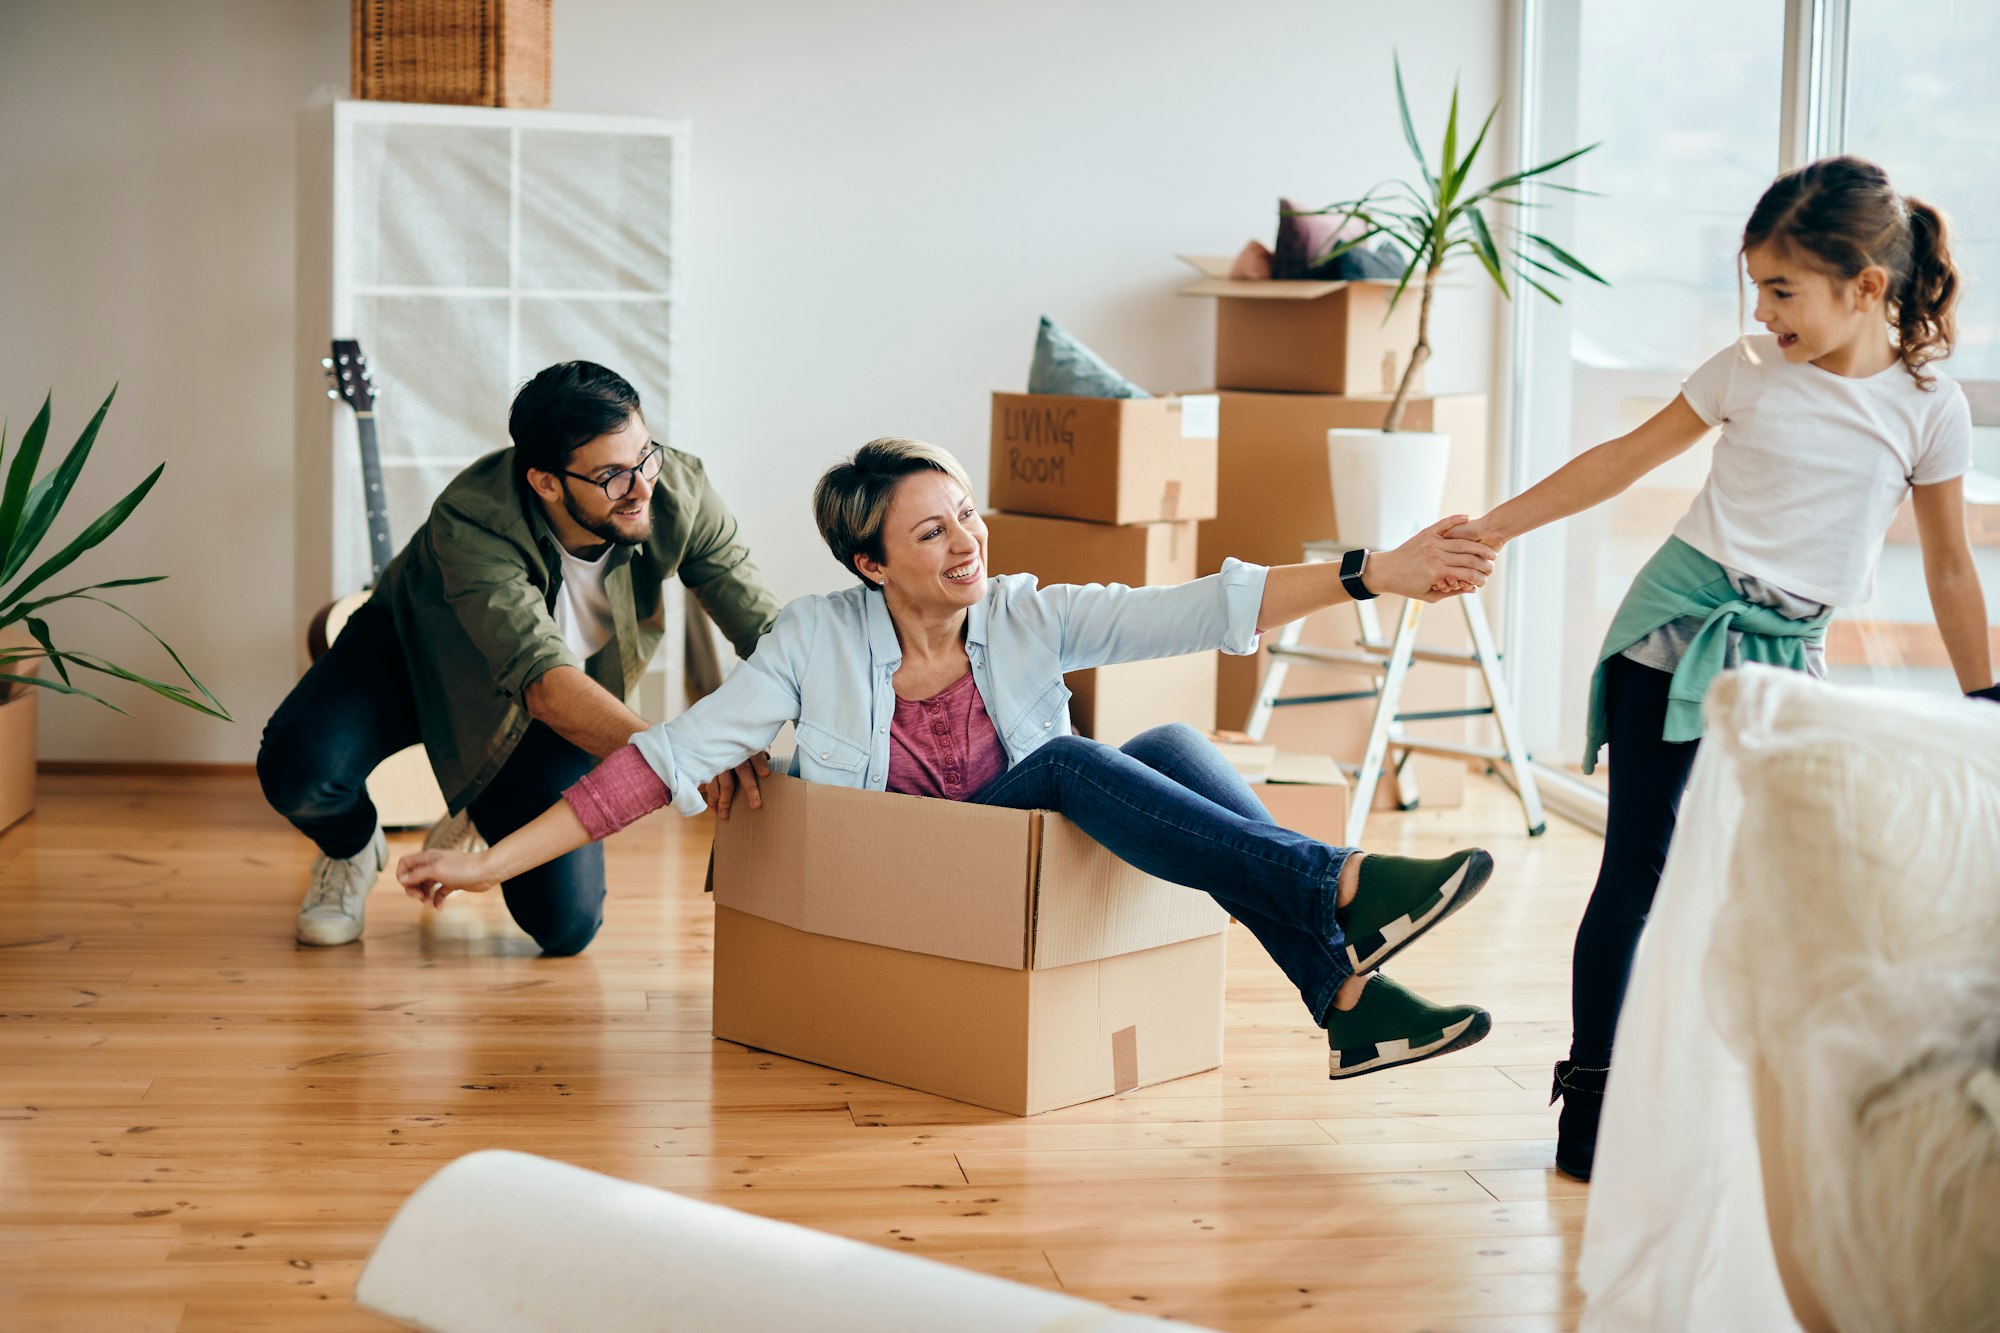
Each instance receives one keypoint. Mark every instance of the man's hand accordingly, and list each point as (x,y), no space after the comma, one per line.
(720,790)
(432,876)
(1432,565)
(1481,530)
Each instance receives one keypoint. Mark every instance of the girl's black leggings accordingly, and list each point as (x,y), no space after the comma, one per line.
(1647,778)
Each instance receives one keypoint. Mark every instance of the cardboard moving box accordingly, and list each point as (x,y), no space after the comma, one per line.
(1275,494)
(1105,460)
(1061,550)
(1115,703)
(1307,337)
(17,749)
(1025,970)
(1306,793)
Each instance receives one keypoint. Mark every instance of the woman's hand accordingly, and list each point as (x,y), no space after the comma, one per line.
(432,876)
(1434,564)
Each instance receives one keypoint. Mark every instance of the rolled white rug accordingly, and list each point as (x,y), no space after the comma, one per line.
(505,1242)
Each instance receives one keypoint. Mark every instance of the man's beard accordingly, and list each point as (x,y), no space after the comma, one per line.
(607,527)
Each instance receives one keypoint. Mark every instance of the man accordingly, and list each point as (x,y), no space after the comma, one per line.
(507,636)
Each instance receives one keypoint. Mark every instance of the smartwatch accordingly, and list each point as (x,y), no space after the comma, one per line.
(1351,565)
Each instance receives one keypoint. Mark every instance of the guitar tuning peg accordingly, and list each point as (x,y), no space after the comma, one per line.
(343,358)
(326,361)
(333,393)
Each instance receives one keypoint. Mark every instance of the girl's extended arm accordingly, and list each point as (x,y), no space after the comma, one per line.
(1592,477)
(1953,580)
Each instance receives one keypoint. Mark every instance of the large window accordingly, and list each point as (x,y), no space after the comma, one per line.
(1690,102)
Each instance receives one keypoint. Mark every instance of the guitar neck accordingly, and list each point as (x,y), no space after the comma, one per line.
(377,499)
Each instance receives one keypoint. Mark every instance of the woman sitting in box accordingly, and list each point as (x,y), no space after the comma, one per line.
(932,679)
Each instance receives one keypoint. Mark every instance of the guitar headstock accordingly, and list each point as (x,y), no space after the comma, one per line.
(348,377)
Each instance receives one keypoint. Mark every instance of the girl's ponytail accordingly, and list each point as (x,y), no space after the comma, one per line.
(1926,319)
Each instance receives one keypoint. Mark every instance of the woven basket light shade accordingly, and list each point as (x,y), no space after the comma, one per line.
(470,52)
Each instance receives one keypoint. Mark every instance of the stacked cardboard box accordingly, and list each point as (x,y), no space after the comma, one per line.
(1109,490)
(1294,360)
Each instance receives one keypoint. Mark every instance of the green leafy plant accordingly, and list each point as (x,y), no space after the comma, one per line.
(1435,223)
(28,508)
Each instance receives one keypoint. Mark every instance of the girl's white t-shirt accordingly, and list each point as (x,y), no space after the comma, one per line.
(1811,465)
(583,611)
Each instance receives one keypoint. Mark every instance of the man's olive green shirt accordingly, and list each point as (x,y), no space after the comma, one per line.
(474,591)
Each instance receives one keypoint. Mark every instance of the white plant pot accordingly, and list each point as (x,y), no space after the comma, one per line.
(1387,486)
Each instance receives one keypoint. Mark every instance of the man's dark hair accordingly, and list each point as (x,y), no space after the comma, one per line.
(564,408)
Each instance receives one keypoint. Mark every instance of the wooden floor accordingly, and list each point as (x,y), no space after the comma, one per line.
(204,1126)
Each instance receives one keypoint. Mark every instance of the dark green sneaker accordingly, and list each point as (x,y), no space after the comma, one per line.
(1399,898)
(1392,1026)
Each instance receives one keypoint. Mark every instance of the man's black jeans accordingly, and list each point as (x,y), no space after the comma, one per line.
(354,709)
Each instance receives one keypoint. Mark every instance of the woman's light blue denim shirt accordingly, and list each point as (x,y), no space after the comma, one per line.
(826,665)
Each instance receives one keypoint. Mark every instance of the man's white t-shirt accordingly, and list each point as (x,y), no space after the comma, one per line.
(583,612)
(1811,465)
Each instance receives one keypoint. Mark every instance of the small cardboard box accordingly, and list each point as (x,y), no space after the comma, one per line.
(18,714)
(1104,460)
(1307,337)
(998,957)
(1306,793)
(1115,703)
(1062,550)
(1275,494)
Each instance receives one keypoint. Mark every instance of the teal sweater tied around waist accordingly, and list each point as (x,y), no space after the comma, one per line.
(1680,581)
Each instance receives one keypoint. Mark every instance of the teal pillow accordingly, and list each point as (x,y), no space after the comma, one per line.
(1064,365)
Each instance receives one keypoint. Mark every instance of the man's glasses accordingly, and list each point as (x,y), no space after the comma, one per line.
(620,483)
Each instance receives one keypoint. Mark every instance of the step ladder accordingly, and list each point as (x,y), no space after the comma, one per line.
(1391,661)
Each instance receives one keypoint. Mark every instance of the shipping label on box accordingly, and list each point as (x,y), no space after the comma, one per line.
(1104,460)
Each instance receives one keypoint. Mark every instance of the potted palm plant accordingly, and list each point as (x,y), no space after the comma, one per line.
(28,509)
(1390,482)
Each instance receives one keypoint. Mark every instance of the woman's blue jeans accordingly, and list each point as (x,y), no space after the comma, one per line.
(1170,804)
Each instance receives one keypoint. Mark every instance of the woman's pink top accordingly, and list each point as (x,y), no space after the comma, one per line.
(944,746)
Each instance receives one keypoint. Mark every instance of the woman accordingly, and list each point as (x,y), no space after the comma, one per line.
(933,679)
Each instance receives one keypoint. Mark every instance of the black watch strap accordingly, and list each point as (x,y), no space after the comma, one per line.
(1351,565)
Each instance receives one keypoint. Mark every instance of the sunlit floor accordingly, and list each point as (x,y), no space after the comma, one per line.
(205,1126)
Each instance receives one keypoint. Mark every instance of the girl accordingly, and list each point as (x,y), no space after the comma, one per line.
(1827,422)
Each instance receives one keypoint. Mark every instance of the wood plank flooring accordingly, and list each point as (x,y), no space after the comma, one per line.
(204,1126)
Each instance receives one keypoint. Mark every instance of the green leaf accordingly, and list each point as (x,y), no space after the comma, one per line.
(1472,153)
(1549,269)
(1524,276)
(58,687)
(175,692)
(48,495)
(218,710)
(1565,258)
(1416,262)
(1488,253)
(40,629)
(101,527)
(1409,127)
(1508,182)
(14,613)
(1448,167)
(22,475)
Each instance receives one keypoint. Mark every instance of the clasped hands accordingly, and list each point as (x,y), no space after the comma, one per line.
(1452,556)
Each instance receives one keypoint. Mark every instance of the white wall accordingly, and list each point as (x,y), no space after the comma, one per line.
(886,195)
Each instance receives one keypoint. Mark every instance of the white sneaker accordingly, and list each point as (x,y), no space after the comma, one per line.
(332,910)
(454,833)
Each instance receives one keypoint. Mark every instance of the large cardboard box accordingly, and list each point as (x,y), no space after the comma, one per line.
(1306,793)
(1105,460)
(1275,494)
(18,715)
(1307,337)
(1115,703)
(998,957)
(1061,550)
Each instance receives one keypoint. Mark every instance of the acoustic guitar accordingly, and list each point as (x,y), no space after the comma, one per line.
(403,788)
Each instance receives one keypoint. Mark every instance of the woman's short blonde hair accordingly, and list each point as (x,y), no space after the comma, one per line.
(851,501)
